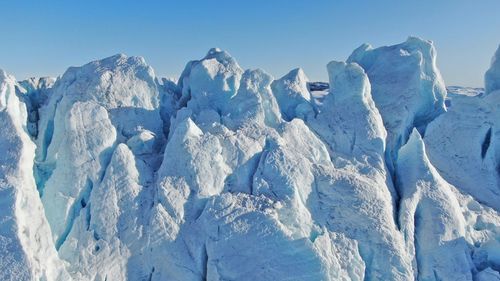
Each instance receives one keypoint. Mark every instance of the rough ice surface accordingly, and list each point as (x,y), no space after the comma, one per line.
(471,164)
(36,93)
(26,248)
(352,128)
(491,78)
(112,173)
(439,222)
(406,86)
(292,95)
(430,217)
(464,143)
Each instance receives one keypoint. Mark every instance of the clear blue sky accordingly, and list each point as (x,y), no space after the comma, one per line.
(45,37)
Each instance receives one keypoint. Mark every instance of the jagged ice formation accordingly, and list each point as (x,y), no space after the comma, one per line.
(112,173)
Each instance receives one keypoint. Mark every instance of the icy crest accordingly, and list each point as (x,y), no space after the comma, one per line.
(406,86)
(210,82)
(218,89)
(492,76)
(292,95)
(352,128)
(430,216)
(350,123)
(89,111)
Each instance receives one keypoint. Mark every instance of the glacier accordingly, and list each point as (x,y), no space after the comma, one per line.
(110,172)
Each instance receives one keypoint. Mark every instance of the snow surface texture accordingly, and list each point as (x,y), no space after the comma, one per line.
(111,173)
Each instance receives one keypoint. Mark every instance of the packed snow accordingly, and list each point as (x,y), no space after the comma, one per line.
(112,173)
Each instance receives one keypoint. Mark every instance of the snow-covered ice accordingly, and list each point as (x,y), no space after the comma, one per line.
(112,173)
(26,248)
(491,78)
(406,85)
(464,143)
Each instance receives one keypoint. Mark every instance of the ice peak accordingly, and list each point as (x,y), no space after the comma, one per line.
(117,56)
(298,77)
(492,76)
(188,128)
(425,48)
(347,79)
(256,75)
(214,51)
(297,73)
(5,77)
(120,59)
(292,94)
(359,52)
(111,60)
(3,74)
(210,82)
(410,95)
(221,56)
(415,40)
(414,146)
(7,95)
(114,81)
(413,157)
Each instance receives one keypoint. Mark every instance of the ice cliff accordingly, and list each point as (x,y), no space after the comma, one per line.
(111,173)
